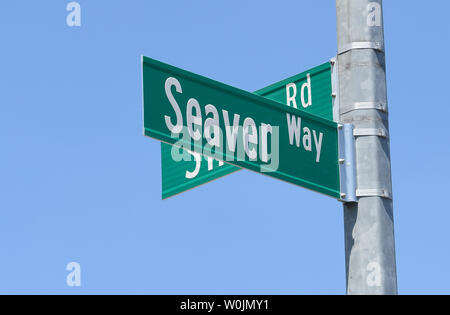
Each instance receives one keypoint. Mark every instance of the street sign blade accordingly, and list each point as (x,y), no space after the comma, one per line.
(310,91)
(243,129)
(180,176)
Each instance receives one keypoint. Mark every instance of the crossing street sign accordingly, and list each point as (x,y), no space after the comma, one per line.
(310,90)
(182,175)
(204,116)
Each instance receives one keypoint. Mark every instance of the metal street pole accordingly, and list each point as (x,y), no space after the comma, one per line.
(368,224)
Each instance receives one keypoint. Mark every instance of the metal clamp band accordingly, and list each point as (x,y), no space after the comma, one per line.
(347,163)
(381,106)
(383,193)
(366,132)
(361,45)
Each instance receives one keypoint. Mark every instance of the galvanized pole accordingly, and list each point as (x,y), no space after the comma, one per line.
(368,224)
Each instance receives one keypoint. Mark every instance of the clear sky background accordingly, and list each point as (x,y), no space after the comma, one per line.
(79,182)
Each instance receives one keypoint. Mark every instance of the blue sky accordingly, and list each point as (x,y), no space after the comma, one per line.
(80,183)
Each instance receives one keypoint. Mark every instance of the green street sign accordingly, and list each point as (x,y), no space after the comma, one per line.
(180,176)
(310,91)
(205,117)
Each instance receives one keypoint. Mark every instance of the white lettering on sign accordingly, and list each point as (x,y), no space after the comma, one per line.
(272,158)
(210,163)
(307,145)
(318,144)
(250,137)
(181,152)
(170,82)
(198,163)
(306,86)
(192,119)
(294,127)
(198,160)
(290,98)
(214,124)
(249,140)
(231,133)
(305,93)
(265,130)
